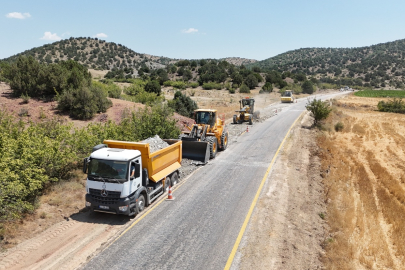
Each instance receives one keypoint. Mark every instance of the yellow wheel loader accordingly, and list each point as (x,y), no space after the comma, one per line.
(287,97)
(205,137)
(246,111)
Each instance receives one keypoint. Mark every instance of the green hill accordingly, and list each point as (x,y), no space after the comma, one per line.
(379,65)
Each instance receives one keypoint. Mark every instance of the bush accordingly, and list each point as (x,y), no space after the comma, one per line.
(183,104)
(244,89)
(251,81)
(26,98)
(212,85)
(396,105)
(267,87)
(307,87)
(85,102)
(339,126)
(193,85)
(320,110)
(153,87)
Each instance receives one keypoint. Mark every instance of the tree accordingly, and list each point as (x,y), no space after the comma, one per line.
(251,81)
(187,75)
(183,104)
(320,110)
(244,89)
(267,87)
(153,87)
(307,87)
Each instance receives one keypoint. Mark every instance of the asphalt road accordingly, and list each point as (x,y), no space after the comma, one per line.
(199,228)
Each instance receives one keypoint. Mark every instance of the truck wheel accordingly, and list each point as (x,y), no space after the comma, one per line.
(140,204)
(213,146)
(234,119)
(175,179)
(224,140)
(167,184)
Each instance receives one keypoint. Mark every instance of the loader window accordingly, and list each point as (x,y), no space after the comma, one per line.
(202,117)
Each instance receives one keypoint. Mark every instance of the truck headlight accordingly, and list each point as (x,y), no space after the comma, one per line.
(88,204)
(123,208)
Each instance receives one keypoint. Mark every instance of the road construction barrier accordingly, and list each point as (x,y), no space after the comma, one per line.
(169,195)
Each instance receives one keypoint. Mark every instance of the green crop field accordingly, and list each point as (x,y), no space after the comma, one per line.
(381,93)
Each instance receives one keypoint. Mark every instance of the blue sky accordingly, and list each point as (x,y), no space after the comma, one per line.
(203,29)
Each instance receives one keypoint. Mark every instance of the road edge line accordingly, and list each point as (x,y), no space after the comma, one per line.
(252,206)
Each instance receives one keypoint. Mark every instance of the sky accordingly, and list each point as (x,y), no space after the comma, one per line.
(192,29)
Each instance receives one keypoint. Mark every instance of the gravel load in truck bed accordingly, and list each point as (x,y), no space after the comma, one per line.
(155,143)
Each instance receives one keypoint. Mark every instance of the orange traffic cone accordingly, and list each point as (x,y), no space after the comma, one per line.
(170,196)
(247,128)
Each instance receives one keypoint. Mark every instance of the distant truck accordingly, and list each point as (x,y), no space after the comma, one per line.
(288,97)
(110,185)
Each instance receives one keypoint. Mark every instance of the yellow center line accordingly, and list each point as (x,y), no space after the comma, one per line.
(252,206)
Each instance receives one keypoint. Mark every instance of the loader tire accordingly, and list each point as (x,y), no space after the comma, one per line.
(234,119)
(213,142)
(224,140)
(250,120)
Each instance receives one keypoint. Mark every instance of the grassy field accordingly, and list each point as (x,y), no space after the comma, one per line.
(381,93)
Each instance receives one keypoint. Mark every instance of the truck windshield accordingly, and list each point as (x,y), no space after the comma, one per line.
(108,170)
(287,94)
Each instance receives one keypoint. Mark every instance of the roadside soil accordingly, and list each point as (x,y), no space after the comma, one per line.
(286,229)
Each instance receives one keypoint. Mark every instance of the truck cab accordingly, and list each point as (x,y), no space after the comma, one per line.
(113,176)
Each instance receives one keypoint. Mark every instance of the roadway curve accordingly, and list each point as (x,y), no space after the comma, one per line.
(199,228)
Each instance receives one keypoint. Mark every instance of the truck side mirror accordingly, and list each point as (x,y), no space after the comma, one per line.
(85,161)
(137,170)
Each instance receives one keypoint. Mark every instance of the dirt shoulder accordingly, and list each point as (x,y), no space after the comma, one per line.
(286,229)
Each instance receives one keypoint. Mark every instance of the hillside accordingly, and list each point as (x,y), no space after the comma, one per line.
(380,65)
(94,53)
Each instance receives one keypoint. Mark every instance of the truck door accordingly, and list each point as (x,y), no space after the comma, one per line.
(135,175)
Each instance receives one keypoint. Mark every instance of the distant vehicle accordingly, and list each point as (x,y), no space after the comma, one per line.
(288,97)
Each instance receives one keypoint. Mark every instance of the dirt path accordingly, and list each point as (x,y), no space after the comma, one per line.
(286,229)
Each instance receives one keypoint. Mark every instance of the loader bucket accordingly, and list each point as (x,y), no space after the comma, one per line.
(194,150)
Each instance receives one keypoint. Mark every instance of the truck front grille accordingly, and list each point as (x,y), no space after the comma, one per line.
(112,197)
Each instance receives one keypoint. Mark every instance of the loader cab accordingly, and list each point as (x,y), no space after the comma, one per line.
(247,102)
(205,118)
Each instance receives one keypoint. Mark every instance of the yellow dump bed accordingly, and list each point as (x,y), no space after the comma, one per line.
(160,163)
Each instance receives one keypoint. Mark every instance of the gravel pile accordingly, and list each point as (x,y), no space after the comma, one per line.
(155,143)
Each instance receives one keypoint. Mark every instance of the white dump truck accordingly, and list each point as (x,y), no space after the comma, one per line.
(125,177)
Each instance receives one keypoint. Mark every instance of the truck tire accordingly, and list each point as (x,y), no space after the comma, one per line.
(213,142)
(224,140)
(174,179)
(234,119)
(166,185)
(140,203)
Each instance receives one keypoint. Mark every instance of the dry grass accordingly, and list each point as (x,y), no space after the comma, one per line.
(58,203)
(363,169)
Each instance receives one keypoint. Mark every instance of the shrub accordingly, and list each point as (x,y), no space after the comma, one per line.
(267,87)
(85,102)
(193,85)
(153,87)
(183,104)
(244,89)
(212,85)
(396,105)
(339,126)
(307,87)
(251,81)
(320,110)
(26,98)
